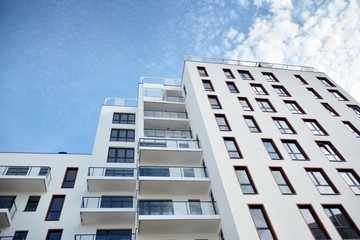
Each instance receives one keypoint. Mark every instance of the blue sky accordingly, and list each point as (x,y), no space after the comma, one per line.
(60,59)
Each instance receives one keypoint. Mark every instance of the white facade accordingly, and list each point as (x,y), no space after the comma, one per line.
(166,167)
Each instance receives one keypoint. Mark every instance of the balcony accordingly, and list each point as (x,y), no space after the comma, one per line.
(180,217)
(159,98)
(7,210)
(160,133)
(25,178)
(166,120)
(155,151)
(108,209)
(111,179)
(174,181)
(104,237)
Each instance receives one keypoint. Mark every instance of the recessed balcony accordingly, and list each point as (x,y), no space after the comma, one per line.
(169,152)
(111,179)
(178,217)
(166,120)
(25,178)
(174,181)
(159,100)
(104,237)
(108,209)
(7,210)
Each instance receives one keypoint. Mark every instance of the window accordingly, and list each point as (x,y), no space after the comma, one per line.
(69,178)
(232,87)
(294,150)
(228,74)
(32,203)
(154,207)
(245,104)
(54,234)
(282,181)
(281,91)
(245,75)
(258,89)
(352,128)
(232,148)
(262,223)
(301,79)
(119,172)
(17,171)
(342,222)
(214,102)
(314,93)
(202,72)
(19,235)
(195,207)
(222,122)
(116,234)
(124,118)
(321,181)
(116,202)
(7,202)
(208,86)
(244,178)
(122,135)
(294,107)
(315,127)
(55,208)
(284,126)
(44,171)
(155,171)
(270,77)
(326,82)
(272,149)
(351,178)
(316,227)
(121,155)
(330,109)
(265,105)
(355,108)
(330,151)
(252,125)
(338,95)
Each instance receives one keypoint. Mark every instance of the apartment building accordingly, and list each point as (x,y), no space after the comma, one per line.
(234,150)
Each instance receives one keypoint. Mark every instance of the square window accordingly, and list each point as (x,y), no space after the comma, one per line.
(252,124)
(284,126)
(245,104)
(270,77)
(245,75)
(272,149)
(294,150)
(214,102)
(202,72)
(321,181)
(208,86)
(265,105)
(54,234)
(232,87)
(294,107)
(281,91)
(262,222)
(258,89)
(315,127)
(228,74)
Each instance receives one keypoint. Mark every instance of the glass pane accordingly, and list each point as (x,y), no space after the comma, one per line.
(258,218)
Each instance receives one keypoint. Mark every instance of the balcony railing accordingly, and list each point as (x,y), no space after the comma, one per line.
(161,114)
(167,133)
(160,95)
(176,172)
(110,172)
(12,238)
(30,171)
(168,143)
(104,237)
(108,202)
(162,81)
(123,102)
(180,208)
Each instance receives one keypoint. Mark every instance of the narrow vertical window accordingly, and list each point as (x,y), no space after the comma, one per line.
(281,91)
(342,222)
(55,208)
(262,223)
(338,95)
(208,86)
(352,128)
(245,104)
(258,89)
(202,72)
(232,87)
(252,124)
(294,150)
(314,93)
(355,109)
(32,203)
(282,181)
(284,126)
(228,74)
(19,235)
(69,178)
(222,122)
(294,107)
(272,149)
(232,148)
(330,110)
(326,82)
(315,127)
(245,75)
(316,227)
(54,234)
(351,178)
(214,102)
(301,79)
(265,105)
(321,181)
(270,77)
(330,151)
(246,183)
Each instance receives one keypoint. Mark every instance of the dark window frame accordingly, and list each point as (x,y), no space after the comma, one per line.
(317,129)
(228,73)
(338,95)
(222,127)
(352,128)
(245,185)
(50,231)
(202,71)
(276,150)
(270,77)
(283,130)
(216,104)
(355,179)
(32,203)
(50,211)
(330,109)
(333,155)
(286,183)
(294,155)
(294,107)
(232,87)
(116,135)
(208,87)
(259,89)
(301,79)
(69,182)
(248,107)
(245,75)
(263,108)
(355,109)
(316,219)
(326,82)
(126,158)
(319,183)
(124,118)
(231,151)
(266,219)
(314,93)
(283,91)
(255,127)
